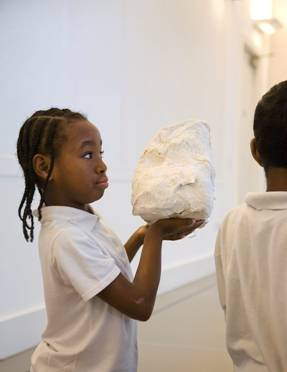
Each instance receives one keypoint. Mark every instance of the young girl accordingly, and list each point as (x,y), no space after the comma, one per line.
(92,299)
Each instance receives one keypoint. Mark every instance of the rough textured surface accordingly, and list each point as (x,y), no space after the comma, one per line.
(175,175)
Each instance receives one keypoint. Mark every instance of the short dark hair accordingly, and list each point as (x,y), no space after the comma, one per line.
(41,133)
(270,127)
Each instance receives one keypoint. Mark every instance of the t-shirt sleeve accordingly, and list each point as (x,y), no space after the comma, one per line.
(82,263)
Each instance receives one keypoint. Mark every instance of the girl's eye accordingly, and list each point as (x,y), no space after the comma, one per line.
(88,155)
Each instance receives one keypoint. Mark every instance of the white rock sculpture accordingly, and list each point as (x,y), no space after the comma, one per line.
(175,175)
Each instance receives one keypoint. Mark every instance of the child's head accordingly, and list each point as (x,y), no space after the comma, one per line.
(270,128)
(60,154)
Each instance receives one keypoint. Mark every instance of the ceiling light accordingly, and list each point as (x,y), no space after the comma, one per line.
(268,26)
(261,12)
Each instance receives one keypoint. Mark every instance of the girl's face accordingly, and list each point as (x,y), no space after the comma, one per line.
(79,174)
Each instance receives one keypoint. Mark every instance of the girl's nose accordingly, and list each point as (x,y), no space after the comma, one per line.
(101,167)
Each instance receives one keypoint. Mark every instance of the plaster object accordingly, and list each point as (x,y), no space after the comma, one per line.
(175,176)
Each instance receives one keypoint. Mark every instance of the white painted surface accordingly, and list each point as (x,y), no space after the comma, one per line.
(278,50)
(21,331)
(132,67)
(184,272)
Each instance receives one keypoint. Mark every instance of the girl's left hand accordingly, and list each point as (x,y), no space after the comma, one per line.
(178,236)
(141,231)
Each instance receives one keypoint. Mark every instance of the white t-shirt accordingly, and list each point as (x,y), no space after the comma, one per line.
(79,258)
(251,263)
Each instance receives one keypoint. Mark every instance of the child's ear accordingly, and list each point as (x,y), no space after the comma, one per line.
(255,153)
(41,165)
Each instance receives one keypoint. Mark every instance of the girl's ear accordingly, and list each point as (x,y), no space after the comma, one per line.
(255,153)
(41,165)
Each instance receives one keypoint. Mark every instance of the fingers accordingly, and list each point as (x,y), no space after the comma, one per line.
(173,237)
(179,225)
(172,226)
(184,231)
(177,236)
(198,223)
(191,222)
(190,227)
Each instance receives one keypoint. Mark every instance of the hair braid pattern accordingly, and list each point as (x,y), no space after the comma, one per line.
(41,133)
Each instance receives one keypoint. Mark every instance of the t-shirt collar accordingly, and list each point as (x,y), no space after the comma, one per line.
(267,200)
(63,213)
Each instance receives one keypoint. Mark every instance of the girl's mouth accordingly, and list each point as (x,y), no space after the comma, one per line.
(103,183)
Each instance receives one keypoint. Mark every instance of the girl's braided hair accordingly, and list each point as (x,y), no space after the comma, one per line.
(41,133)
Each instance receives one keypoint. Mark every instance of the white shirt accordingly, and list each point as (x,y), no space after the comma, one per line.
(251,263)
(79,258)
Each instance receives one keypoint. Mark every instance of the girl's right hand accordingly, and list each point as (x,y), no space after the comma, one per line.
(175,228)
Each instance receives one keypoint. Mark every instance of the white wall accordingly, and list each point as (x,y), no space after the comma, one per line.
(278,50)
(132,67)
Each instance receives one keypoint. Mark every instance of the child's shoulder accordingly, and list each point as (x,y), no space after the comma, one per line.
(238,211)
(234,218)
(61,233)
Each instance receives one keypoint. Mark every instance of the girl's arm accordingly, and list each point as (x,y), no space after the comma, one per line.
(135,242)
(136,299)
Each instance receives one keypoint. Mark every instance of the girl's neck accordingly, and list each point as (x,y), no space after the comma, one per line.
(276,179)
(56,200)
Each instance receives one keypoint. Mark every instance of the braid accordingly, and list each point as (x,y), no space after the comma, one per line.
(28,144)
(23,156)
(49,145)
(38,134)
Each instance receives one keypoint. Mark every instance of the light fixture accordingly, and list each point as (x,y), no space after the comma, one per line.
(268,26)
(261,12)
